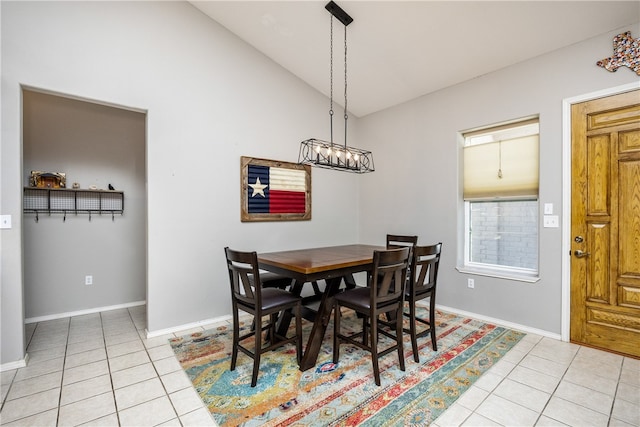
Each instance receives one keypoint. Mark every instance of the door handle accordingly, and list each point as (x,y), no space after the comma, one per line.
(580,254)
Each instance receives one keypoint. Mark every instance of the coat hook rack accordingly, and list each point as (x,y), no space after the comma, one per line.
(66,200)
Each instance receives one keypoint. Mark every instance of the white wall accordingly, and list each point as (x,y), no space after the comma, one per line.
(419,143)
(94,145)
(209,99)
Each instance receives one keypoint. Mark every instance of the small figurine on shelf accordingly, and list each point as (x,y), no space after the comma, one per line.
(76,185)
(111,187)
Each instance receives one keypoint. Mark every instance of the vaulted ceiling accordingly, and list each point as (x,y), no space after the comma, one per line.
(400,50)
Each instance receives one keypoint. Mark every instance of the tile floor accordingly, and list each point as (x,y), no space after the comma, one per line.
(100,370)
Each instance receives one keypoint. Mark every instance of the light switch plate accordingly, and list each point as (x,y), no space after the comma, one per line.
(5,221)
(548,208)
(551,221)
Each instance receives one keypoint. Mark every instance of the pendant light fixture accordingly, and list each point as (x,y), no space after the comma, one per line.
(326,154)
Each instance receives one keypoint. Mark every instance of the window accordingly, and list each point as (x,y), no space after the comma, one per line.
(501,199)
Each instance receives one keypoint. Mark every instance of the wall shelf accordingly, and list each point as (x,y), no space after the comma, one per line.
(77,201)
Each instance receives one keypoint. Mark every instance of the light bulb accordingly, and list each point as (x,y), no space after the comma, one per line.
(338,153)
(348,154)
(356,157)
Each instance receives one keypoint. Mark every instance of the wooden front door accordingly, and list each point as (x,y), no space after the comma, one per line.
(605,223)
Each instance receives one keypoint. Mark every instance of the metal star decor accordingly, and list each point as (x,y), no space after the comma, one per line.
(258,188)
(626,53)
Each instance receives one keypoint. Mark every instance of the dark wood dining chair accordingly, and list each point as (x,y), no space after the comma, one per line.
(382,296)
(396,241)
(247,294)
(422,284)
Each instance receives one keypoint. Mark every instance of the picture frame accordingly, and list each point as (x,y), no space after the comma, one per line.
(272,190)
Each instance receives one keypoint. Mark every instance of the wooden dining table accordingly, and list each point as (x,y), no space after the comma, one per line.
(333,264)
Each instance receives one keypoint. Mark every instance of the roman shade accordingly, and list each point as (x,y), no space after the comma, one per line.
(502,169)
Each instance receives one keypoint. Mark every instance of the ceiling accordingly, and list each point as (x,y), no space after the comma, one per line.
(400,50)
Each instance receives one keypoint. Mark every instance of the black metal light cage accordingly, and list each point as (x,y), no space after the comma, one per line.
(324,154)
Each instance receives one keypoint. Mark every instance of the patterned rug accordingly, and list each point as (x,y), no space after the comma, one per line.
(342,394)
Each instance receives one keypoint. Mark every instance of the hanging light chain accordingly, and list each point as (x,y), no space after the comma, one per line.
(346,115)
(331,79)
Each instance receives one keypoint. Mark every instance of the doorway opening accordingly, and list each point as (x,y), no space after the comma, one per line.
(82,261)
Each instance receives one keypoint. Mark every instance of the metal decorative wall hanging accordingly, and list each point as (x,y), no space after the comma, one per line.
(271,190)
(626,53)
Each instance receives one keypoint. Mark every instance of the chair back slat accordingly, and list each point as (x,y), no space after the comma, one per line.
(244,275)
(396,241)
(424,268)
(389,271)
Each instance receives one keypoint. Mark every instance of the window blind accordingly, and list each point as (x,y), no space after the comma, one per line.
(502,169)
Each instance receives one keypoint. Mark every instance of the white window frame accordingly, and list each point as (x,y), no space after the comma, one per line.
(493,270)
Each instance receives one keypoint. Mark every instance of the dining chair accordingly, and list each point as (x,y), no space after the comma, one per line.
(247,294)
(396,241)
(382,296)
(422,284)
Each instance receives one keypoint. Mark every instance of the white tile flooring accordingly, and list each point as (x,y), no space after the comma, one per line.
(100,370)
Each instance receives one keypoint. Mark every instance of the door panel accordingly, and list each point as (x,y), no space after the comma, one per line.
(605,213)
(598,267)
(598,161)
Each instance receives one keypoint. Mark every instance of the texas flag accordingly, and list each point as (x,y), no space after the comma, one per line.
(276,190)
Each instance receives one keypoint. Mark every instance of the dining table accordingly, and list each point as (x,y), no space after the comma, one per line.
(334,265)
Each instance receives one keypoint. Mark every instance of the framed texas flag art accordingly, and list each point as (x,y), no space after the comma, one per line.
(274,191)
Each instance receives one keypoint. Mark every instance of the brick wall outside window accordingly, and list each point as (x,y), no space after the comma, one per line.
(505,233)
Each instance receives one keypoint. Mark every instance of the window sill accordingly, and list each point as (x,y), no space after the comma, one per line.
(499,274)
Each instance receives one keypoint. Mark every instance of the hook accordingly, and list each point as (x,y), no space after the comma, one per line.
(113,216)
(89,216)
(64,218)
(37,219)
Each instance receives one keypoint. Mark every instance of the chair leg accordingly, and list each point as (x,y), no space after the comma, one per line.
(273,318)
(336,331)
(412,330)
(374,348)
(236,335)
(299,333)
(399,341)
(432,321)
(365,334)
(257,351)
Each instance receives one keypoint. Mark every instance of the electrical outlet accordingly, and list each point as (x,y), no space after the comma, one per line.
(471,283)
(551,221)
(88,280)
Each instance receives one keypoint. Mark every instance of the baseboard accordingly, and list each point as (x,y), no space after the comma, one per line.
(15,365)
(492,320)
(178,329)
(501,322)
(82,312)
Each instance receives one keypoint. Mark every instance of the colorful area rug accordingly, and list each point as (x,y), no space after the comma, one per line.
(342,394)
